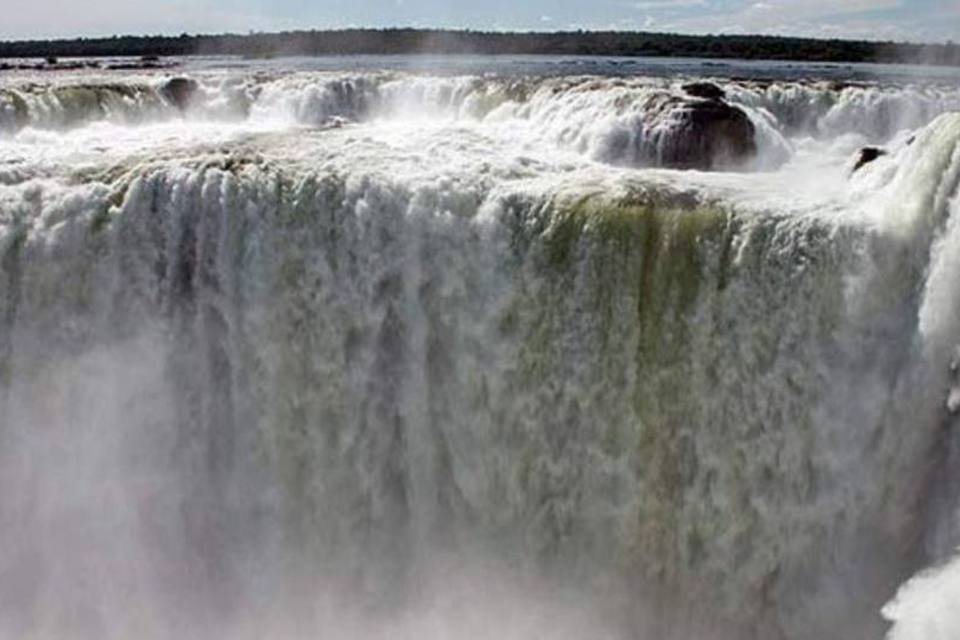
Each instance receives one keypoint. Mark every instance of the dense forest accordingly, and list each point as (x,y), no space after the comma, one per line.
(396,41)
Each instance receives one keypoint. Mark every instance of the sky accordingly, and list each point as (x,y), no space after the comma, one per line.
(915,20)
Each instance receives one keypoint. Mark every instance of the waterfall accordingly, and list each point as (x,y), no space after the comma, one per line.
(403,354)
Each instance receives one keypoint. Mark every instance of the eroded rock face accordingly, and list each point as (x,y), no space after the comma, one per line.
(699,134)
(179,91)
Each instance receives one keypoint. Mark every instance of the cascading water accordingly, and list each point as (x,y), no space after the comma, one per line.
(429,356)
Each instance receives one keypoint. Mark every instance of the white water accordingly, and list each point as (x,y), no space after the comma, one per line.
(400,354)
(926,607)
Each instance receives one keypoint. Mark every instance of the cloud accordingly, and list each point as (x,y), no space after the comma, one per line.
(69,18)
(925,20)
(657,5)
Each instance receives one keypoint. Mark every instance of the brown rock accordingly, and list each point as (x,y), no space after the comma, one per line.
(868,155)
(179,91)
(706,90)
(698,134)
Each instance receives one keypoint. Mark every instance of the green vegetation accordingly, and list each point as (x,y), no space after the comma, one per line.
(11,274)
(407,41)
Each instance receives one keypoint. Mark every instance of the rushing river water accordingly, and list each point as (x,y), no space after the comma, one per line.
(425,348)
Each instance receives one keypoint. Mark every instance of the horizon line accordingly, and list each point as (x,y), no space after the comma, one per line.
(471,30)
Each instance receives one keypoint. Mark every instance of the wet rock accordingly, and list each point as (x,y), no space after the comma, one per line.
(50,63)
(706,90)
(697,134)
(143,63)
(868,155)
(179,91)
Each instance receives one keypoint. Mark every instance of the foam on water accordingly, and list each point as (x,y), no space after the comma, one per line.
(926,607)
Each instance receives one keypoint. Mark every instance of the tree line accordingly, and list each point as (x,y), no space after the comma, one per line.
(432,41)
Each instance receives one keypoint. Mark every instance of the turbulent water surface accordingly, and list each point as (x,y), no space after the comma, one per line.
(416,348)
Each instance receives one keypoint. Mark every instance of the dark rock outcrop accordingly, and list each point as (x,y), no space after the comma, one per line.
(705,90)
(138,65)
(868,155)
(179,91)
(50,64)
(698,134)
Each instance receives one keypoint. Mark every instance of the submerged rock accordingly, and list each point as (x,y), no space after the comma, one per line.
(179,91)
(706,90)
(868,155)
